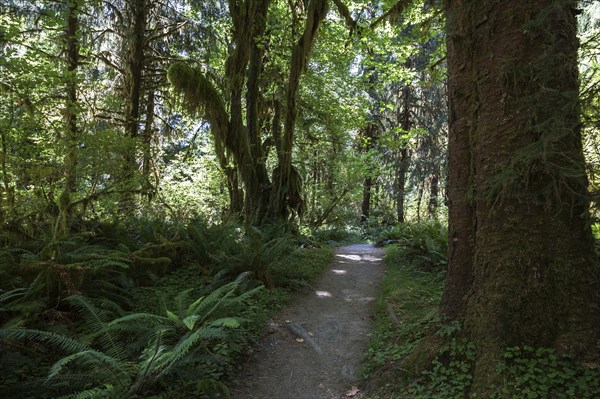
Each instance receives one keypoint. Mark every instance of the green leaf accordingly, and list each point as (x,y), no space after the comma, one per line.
(190,321)
(174,317)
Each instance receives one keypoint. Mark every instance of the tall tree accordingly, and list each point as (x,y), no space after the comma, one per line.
(71,138)
(521,260)
(136,13)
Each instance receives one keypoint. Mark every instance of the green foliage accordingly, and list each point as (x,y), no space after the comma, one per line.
(135,351)
(425,243)
(337,235)
(541,373)
(450,375)
(38,281)
(406,312)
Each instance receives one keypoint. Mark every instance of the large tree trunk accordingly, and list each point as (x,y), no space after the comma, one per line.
(521,257)
(137,11)
(72,131)
(461,223)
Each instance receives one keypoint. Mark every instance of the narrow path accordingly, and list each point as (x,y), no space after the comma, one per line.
(315,347)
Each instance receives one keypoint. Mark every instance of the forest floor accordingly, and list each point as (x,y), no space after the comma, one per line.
(314,348)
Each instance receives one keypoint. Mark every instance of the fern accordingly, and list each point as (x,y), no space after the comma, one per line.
(118,367)
(58,341)
(170,359)
(105,369)
(97,320)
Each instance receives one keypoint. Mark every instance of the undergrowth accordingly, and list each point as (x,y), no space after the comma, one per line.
(406,311)
(152,311)
(442,365)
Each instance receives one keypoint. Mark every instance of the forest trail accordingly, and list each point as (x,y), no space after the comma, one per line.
(314,348)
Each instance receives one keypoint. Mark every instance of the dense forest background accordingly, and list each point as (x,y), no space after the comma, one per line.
(95,129)
(140,136)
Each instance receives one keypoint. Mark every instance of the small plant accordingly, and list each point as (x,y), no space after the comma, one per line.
(451,374)
(540,373)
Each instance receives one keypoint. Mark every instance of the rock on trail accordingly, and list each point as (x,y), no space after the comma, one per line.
(315,346)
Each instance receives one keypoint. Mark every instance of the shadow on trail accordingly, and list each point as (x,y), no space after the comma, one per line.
(315,347)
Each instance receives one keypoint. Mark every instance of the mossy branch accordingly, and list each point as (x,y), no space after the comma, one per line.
(199,94)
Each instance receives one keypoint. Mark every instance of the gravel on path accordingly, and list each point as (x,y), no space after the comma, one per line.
(315,347)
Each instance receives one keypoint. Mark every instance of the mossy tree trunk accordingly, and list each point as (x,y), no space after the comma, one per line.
(522,268)
(244,65)
(406,125)
(134,68)
(368,140)
(286,180)
(238,141)
(71,137)
(237,145)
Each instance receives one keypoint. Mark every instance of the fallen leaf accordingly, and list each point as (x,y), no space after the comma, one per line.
(299,340)
(311,334)
(288,321)
(352,392)
(322,386)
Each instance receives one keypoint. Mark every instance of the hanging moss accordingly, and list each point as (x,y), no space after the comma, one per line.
(199,94)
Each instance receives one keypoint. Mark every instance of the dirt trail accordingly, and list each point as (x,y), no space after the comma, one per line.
(315,347)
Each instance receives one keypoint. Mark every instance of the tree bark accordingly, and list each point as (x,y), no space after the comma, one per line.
(148,187)
(72,130)
(285,191)
(365,208)
(400,185)
(432,206)
(405,124)
(368,142)
(521,254)
(133,94)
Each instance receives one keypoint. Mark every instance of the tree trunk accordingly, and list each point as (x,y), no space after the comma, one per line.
(402,169)
(365,208)
(133,92)
(400,185)
(368,141)
(432,206)
(285,190)
(148,187)
(521,257)
(72,130)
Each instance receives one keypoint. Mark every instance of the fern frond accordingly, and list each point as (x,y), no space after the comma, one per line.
(108,391)
(215,300)
(105,369)
(58,341)
(181,300)
(150,355)
(97,321)
(137,322)
(12,295)
(227,322)
(186,344)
